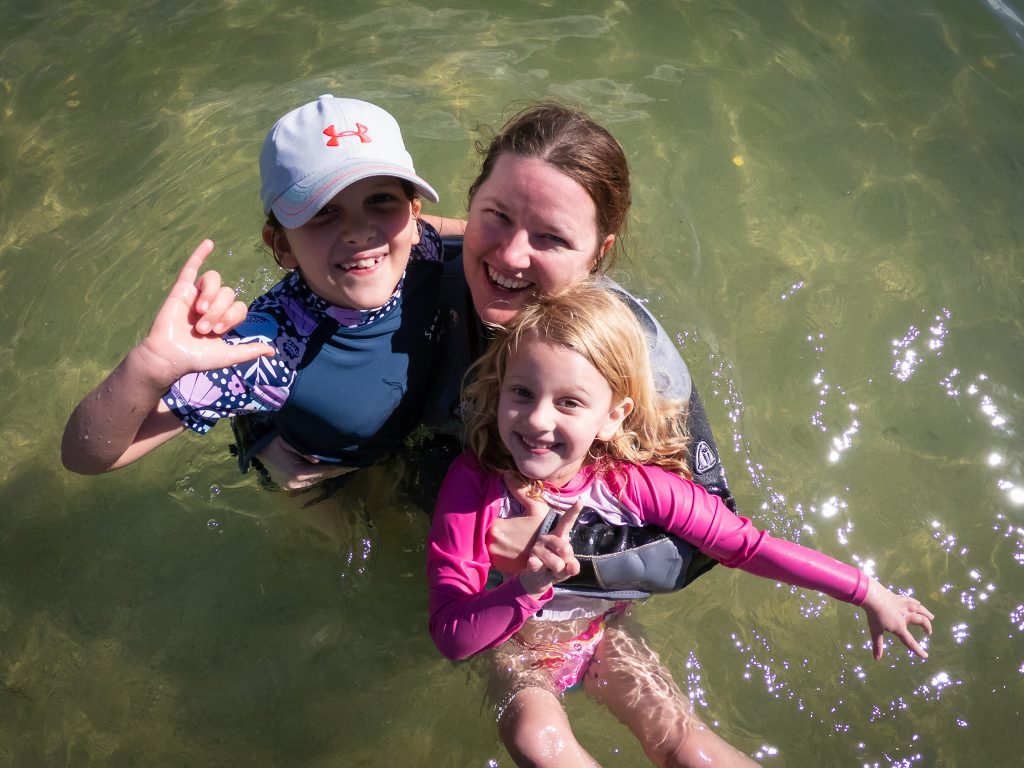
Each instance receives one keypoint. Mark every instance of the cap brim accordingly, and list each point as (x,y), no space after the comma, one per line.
(301,203)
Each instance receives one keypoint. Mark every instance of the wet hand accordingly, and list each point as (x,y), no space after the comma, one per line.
(186,333)
(510,539)
(294,471)
(889,612)
(552,559)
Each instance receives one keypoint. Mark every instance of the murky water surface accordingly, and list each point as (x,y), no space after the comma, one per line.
(829,213)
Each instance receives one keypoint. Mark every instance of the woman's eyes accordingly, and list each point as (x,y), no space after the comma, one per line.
(557,240)
(570,403)
(520,392)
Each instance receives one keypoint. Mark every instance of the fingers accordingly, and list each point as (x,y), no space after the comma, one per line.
(918,609)
(906,612)
(921,620)
(232,317)
(305,480)
(216,305)
(555,554)
(235,354)
(190,271)
(908,640)
(566,522)
(290,469)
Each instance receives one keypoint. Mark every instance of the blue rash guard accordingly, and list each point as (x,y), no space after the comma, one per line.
(346,385)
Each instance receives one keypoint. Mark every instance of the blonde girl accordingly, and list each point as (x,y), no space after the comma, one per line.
(562,414)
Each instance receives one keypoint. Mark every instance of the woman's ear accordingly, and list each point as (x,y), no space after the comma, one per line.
(276,239)
(601,251)
(616,416)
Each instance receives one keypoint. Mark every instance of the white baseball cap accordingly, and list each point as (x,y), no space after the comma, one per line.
(317,150)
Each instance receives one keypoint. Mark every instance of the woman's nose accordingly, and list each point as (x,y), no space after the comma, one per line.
(515,252)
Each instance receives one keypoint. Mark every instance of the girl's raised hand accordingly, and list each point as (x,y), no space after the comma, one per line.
(510,539)
(889,612)
(552,559)
(186,333)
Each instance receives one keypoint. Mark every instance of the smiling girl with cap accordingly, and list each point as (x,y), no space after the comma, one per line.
(337,356)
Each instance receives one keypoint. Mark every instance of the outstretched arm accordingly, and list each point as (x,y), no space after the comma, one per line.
(687,510)
(123,418)
(444,225)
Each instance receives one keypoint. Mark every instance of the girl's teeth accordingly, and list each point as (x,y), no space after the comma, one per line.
(532,444)
(361,264)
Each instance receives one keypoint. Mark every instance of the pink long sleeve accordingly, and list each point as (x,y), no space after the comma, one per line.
(668,501)
(466,618)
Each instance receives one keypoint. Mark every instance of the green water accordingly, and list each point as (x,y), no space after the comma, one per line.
(829,212)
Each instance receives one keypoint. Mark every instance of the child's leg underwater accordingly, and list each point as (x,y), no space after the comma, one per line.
(627,677)
(531,720)
(536,732)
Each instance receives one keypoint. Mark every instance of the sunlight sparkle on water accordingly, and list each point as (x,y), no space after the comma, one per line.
(949,384)
(792,290)
(694,683)
(960,633)
(766,751)
(1017,617)
(906,359)
(934,688)
(831,507)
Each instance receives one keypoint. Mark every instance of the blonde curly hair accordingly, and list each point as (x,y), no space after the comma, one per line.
(591,320)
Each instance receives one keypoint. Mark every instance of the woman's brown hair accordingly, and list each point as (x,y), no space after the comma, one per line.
(570,141)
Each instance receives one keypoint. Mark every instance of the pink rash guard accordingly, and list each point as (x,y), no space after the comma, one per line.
(466,618)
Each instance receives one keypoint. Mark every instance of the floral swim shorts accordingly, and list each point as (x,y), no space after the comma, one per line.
(556,665)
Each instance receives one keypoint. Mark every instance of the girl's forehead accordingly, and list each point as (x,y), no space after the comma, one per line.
(532,347)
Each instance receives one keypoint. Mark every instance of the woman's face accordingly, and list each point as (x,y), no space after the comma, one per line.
(531,230)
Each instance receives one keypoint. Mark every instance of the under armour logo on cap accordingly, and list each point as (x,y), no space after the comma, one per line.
(360,131)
